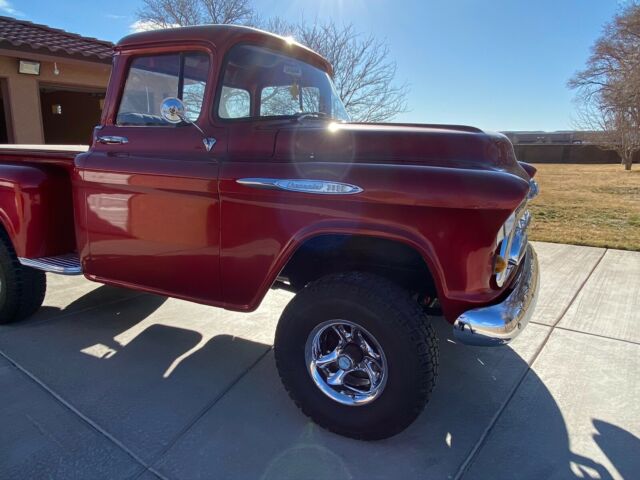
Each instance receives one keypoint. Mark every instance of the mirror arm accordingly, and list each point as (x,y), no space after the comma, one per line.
(186,120)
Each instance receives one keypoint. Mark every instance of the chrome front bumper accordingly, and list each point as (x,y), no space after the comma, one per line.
(499,324)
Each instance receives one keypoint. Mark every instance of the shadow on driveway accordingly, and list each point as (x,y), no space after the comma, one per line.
(221,412)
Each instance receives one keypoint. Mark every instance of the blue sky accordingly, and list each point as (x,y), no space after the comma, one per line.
(498,65)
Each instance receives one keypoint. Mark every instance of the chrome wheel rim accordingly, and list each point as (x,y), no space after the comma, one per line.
(346,362)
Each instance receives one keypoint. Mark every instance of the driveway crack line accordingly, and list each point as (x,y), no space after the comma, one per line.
(624,340)
(487,431)
(79,414)
(202,413)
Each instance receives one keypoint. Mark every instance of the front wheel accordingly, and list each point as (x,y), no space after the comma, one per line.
(357,355)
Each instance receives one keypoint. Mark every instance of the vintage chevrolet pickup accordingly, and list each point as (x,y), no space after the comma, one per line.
(225,165)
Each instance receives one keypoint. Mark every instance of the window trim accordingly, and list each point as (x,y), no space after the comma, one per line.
(182,53)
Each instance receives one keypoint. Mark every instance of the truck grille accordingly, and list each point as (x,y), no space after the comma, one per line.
(514,246)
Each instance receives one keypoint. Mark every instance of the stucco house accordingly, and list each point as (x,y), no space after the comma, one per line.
(52,83)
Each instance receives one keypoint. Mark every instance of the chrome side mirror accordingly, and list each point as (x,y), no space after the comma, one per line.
(174,111)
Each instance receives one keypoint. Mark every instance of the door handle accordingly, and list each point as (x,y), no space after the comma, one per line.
(112,140)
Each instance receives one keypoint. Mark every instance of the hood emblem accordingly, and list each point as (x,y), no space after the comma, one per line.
(321,187)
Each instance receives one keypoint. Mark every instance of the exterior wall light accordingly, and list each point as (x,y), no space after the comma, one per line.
(29,67)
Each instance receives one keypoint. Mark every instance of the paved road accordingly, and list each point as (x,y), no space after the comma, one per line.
(107,383)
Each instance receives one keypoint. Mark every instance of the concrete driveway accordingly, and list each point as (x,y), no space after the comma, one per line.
(108,383)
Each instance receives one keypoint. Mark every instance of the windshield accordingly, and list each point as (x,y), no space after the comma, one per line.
(262,83)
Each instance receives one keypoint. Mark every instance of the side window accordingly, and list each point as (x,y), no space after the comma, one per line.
(288,100)
(234,103)
(153,78)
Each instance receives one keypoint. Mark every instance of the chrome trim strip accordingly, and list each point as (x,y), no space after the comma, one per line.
(112,140)
(62,264)
(302,185)
(499,324)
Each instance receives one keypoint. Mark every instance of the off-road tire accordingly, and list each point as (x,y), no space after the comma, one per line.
(22,288)
(399,325)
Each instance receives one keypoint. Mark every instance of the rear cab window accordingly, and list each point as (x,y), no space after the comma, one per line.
(259,83)
(234,102)
(288,100)
(153,78)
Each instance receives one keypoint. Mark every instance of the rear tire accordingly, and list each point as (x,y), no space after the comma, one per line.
(328,319)
(22,289)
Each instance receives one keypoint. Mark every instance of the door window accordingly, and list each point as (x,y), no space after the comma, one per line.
(153,78)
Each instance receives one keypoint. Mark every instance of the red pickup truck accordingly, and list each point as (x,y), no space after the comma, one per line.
(225,165)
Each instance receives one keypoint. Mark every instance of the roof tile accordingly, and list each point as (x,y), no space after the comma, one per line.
(20,33)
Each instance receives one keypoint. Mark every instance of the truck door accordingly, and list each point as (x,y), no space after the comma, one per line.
(147,192)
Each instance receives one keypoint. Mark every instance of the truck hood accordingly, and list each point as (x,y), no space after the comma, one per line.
(433,145)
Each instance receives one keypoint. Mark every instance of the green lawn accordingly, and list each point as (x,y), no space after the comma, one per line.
(595,205)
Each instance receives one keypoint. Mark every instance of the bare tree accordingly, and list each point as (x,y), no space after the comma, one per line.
(609,87)
(228,11)
(610,129)
(363,73)
(172,13)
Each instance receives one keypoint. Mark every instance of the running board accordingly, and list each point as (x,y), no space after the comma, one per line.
(68,264)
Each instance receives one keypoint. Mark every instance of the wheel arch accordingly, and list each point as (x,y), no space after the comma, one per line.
(401,249)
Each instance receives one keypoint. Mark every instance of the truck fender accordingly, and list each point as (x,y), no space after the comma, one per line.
(333,227)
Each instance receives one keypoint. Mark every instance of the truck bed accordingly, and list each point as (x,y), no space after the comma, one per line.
(61,155)
(36,202)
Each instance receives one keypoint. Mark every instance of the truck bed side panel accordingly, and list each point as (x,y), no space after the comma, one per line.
(36,209)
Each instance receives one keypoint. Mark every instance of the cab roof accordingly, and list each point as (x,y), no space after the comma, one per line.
(222,38)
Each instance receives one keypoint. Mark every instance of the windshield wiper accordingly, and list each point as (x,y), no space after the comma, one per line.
(304,115)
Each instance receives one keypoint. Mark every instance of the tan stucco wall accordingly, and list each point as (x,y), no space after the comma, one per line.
(23,91)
